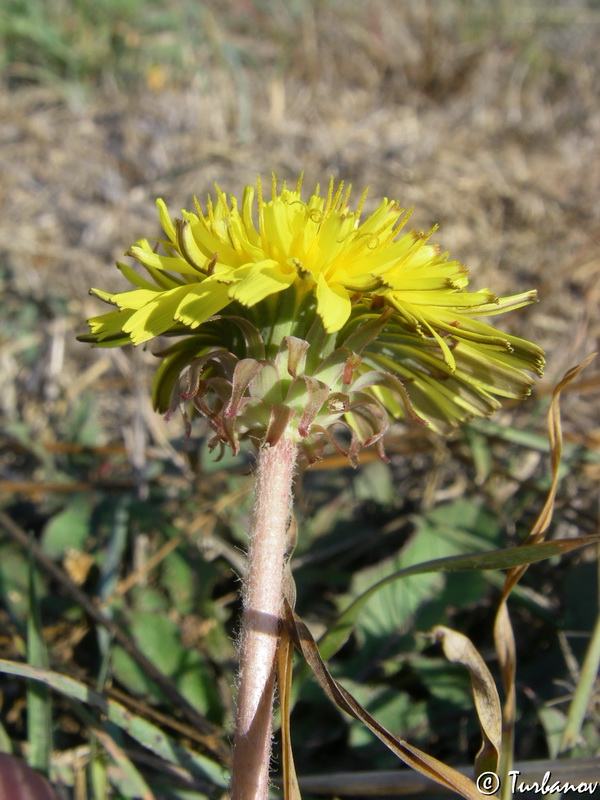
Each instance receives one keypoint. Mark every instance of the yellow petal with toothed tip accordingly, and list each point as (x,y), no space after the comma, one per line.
(260,280)
(333,305)
(165,219)
(156,317)
(106,296)
(201,302)
(150,259)
(132,276)
(503,304)
(446,299)
(135,299)
(416,315)
(432,283)
(188,247)
(109,324)
(491,373)
(247,220)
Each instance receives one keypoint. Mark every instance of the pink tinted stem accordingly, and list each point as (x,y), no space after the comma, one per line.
(263,598)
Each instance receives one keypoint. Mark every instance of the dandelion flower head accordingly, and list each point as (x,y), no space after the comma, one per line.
(293,314)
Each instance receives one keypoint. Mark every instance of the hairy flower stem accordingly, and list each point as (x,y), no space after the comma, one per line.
(263,597)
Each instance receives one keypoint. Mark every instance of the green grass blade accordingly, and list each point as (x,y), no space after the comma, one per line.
(493,560)
(5,742)
(584,691)
(529,440)
(114,555)
(125,777)
(39,702)
(144,732)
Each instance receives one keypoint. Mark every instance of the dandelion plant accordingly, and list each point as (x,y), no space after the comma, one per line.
(297,323)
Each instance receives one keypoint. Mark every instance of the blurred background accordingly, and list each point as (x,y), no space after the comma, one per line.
(484,116)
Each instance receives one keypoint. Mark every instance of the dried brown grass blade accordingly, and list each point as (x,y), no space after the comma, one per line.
(556,442)
(459,649)
(412,756)
(503,632)
(507,657)
(124,764)
(285,660)
(284,666)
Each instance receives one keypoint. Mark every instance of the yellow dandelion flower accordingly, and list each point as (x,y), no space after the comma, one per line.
(354,318)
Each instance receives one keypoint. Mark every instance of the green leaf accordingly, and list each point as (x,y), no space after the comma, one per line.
(158,637)
(147,600)
(448,531)
(493,560)
(553,722)
(468,523)
(449,686)
(375,483)
(397,711)
(177,577)
(68,529)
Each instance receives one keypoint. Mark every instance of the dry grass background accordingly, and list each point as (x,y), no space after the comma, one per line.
(484,116)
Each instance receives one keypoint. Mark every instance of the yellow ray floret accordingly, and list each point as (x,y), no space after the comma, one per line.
(269,246)
(314,270)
